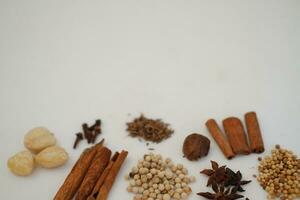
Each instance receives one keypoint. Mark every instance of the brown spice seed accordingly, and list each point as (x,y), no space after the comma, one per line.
(149,129)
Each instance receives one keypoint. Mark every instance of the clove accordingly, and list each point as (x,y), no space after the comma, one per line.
(79,137)
(96,129)
(88,135)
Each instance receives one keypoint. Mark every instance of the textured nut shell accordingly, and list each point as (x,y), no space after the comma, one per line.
(52,157)
(38,139)
(21,163)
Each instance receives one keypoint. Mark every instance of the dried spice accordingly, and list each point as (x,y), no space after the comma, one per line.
(154,130)
(279,174)
(216,174)
(79,137)
(235,179)
(195,146)
(156,178)
(89,133)
(221,193)
(225,183)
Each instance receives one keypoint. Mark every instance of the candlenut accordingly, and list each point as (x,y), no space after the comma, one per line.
(21,163)
(52,157)
(38,139)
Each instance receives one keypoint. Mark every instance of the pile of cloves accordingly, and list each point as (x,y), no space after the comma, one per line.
(89,133)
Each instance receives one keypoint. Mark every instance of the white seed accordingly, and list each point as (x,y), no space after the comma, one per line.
(166,197)
(184,195)
(178,190)
(138,182)
(176,195)
(179,166)
(149,175)
(153,171)
(129,189)
(135,190)
(135,170)
(181,176)
(148,158)
(132,182)
(161,174)
(146,193)
(184,171)
(177,180)
(136,177)
(141,190)
(145,185)
(161,187)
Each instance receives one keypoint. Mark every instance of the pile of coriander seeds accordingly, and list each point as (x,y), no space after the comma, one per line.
(279,174)
(157,178)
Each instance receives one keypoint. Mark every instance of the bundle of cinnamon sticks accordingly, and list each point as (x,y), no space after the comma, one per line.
(236,141)
(93,174)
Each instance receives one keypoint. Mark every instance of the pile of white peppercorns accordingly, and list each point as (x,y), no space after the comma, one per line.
(156,179)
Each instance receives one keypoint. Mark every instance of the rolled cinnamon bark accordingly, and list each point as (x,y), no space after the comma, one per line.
(102,178)
(254,133)
(110,179)
(220,138)
(75,177)
(97,167)
(236,135)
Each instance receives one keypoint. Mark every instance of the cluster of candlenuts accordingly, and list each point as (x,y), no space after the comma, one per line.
(42,150)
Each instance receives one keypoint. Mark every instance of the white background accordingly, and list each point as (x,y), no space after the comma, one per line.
(63,63)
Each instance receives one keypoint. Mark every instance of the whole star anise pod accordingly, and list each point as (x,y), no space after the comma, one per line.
(235,179)
(216,174)
(221,193)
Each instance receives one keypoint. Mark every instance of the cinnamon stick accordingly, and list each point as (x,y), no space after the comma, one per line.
(220,138)
(236,135)
(75,177)
(97,167)
(109,181)
(102,178)
(254,133)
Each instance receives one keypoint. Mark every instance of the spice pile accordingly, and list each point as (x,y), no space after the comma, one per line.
(39,141)
(279,174)
(225,183)
(154,130)
(237,140)
(89,133)
(155,178)
(93,175)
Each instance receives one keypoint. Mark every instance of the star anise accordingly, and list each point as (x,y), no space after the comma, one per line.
(235,179)
(221,193)
(216,174)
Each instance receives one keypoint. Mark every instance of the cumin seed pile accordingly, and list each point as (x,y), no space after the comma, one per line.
(154,130)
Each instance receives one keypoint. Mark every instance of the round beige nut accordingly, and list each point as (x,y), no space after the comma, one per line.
(21,163)
(52,157)
(38,139)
